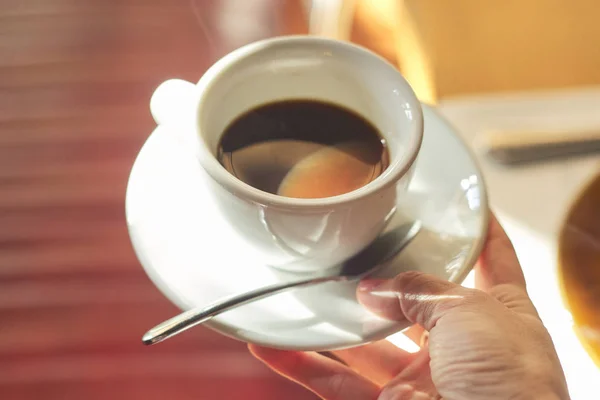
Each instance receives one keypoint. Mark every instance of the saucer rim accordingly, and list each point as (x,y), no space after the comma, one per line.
(230,331)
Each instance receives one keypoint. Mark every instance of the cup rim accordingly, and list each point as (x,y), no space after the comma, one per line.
(393,173)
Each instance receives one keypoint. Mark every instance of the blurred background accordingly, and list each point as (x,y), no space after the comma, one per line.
(75,82)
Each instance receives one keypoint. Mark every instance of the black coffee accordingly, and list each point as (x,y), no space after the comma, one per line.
(303,149)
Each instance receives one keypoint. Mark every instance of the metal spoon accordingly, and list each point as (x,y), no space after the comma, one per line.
(371,259)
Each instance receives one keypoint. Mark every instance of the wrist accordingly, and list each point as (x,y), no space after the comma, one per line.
(546,381)
(550,396)
(546,394)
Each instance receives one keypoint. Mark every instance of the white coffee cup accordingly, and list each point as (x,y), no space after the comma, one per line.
(292,233)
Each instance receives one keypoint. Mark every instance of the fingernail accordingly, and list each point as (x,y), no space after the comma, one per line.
(368,285)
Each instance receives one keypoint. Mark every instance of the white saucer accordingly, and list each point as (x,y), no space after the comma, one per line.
(195,258)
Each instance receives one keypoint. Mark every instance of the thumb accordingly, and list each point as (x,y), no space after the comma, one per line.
(415,296)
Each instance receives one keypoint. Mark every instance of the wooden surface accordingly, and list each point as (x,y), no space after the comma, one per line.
(75,80)
(461,47)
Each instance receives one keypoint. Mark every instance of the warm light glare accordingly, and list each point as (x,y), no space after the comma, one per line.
(402,341)
(418,297)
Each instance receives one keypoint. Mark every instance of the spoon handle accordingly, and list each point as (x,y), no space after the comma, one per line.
(378,253)
(195,316)
(521,147)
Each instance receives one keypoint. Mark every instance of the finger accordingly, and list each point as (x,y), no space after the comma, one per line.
(420,298)
(414,382)
(325,377)
(498,263)
(417,334)
(379,362)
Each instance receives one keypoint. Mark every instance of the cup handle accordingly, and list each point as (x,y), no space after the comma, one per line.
(172,102)
(172,107)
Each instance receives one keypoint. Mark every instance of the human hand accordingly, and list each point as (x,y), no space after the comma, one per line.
(486,343)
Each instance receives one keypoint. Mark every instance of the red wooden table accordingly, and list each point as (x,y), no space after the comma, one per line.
(75,80)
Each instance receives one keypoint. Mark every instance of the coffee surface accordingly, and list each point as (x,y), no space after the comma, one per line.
(303,149)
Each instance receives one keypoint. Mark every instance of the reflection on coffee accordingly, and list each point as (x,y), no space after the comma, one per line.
(303,149)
